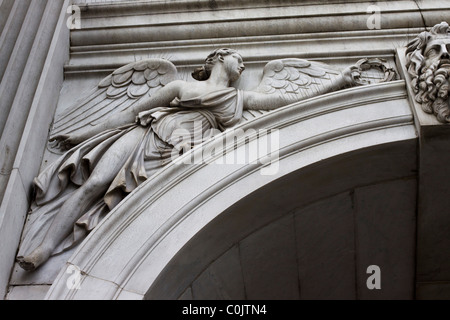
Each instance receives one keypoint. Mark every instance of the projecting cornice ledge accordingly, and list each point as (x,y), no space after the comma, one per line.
(123,256)
(114,33)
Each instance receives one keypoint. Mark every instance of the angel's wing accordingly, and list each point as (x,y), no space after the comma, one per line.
(295,76)
(119,91)
(306,79)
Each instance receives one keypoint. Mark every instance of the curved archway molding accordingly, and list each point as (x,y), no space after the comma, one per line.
(123,257)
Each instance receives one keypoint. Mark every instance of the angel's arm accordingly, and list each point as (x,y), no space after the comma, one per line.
(254,100)
(161,98)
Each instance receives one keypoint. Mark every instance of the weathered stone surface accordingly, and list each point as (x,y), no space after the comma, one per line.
(13,21)
(433,256)
(222,280)
(126,295)
(398,161)
(385,216)
(127,129)
(269,262)
(433,259)
(46,275)
(50,50)
(29,292)
(12,215)
(5,10)
(116,33)
(325,233)
(186,295)
(433,291)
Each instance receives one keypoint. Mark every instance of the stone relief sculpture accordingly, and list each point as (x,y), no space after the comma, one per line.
(428,63)
(123,131)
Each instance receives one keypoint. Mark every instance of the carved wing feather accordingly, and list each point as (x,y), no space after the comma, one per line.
(294,76)
(118,91)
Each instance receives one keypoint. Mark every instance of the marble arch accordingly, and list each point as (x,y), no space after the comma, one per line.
(123,258)
(388,141)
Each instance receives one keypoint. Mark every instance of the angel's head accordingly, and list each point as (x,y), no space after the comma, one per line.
(428,62)
(228,59)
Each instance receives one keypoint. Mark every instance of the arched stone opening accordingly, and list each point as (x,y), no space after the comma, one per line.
(309,235)
(353,146)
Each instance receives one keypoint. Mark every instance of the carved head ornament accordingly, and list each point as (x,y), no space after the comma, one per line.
(428,63)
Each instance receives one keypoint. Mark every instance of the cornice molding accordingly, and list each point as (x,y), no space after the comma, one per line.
(123,7)
(115,33)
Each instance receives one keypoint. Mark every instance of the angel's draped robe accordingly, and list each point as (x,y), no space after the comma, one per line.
(218,110)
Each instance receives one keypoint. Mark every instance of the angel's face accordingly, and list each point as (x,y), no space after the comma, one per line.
(234,66)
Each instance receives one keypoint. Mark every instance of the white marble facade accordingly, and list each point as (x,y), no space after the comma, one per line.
(362,171)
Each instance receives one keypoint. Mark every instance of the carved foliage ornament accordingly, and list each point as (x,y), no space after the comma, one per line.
(428,63)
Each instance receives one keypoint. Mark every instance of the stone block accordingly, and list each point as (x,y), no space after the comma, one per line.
(27,292)
(326,249)
(433,291)
(222,280)
(106,288)
(433,221)
(12,216)
(385,237)
(46,274)
(269,261)
(127,295)
(186,295)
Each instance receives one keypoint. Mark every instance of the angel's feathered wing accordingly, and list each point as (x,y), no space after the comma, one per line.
(306,79)
(118,91)
(292,76)
(296,76)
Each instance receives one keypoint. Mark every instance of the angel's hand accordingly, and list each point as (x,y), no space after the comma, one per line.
(352,76)
(65,142)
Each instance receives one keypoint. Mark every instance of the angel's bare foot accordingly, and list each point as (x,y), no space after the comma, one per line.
(35,259)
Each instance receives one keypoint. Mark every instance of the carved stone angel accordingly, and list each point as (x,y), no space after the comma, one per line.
(131,117)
